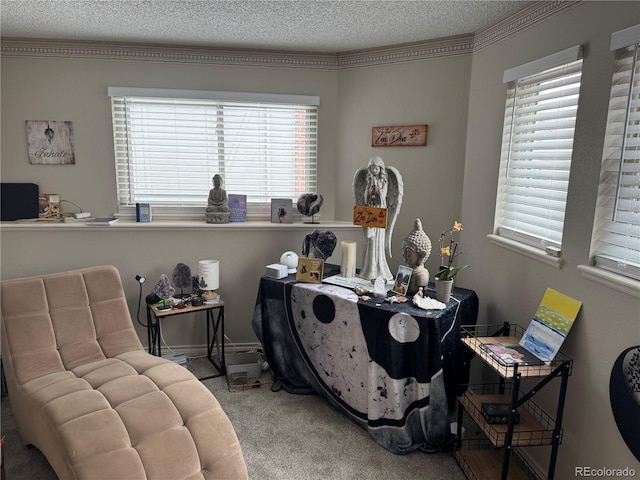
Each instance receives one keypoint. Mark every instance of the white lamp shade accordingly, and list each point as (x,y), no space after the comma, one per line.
(209,274)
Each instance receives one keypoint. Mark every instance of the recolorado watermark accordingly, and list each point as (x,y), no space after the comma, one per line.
(604,472)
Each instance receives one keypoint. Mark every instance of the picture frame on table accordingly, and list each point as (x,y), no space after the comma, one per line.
(401,283)
(281,210)
(310,270)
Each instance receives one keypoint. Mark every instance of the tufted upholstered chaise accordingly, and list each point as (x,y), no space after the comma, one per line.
(86,393)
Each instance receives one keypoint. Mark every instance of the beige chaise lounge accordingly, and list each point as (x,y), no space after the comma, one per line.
(86,393)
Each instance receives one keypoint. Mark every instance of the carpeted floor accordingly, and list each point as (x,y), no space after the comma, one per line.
(283,437)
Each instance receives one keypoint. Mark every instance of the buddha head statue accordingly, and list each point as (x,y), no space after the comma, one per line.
(416,247)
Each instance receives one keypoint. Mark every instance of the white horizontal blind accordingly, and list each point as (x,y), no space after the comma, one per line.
(537,146)
(616,239)
(168,149)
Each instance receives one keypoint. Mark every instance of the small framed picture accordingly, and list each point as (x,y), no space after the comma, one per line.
(281,210)
(403,277)
(310,270)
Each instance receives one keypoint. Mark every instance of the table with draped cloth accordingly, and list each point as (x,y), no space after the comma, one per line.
(395,369)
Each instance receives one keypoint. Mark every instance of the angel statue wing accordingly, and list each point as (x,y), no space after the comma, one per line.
(395,193)
(359,185)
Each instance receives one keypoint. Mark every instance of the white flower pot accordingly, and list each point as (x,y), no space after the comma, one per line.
(443,290)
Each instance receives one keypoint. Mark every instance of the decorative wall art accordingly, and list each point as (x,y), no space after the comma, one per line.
(399,136)
(50,142)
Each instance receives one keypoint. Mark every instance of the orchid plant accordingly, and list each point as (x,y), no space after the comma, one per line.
(448,252)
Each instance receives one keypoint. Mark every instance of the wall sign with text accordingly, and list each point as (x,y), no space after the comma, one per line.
(404,136)
(50,142)
(370,216)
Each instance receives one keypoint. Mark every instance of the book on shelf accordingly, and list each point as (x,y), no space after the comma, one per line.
(237,207)
(143,212)
(281,210)
(510,353)
(103,221)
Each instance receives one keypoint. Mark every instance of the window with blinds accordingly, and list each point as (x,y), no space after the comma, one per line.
(537,145)
(170,143)
(616,238)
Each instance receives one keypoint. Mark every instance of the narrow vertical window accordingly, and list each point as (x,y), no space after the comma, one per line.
(538,132)
(616,236)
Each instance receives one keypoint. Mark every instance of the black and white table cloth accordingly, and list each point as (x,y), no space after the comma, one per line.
(394,369)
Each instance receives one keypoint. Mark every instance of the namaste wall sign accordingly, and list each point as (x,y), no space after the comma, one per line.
(50,142)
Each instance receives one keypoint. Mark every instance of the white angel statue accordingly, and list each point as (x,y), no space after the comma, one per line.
(378,186)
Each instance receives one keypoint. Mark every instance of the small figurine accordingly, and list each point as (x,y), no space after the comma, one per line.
(217,207)
(416,248)
(382,187)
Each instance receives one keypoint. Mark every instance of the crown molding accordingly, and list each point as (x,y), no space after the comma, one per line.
(530,14)
(42,48)
(408,52)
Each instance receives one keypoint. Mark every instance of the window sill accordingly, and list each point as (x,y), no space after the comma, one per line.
(611,280)
(531,252)
(176,225)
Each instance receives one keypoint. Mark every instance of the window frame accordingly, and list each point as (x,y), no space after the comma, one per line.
(504,232)
(256,210)
(605,257)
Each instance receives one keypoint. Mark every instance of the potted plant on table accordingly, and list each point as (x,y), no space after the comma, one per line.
(446,272)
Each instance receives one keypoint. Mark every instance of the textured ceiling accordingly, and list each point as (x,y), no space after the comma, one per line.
(304,25)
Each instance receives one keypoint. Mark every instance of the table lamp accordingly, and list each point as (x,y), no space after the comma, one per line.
(209,279)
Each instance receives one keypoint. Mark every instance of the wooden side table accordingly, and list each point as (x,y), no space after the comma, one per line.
(215,330)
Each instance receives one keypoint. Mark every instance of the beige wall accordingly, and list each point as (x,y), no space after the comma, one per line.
(510,285)
(432,92)
(461,98)
(76,90)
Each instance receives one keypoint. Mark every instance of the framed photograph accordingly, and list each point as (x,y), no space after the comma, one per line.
(310,270)
(403,277)
(49,206)
(281,210)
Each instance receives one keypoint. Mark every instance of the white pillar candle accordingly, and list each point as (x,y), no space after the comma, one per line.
(348,265)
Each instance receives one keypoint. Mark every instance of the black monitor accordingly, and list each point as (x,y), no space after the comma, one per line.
(18,201)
